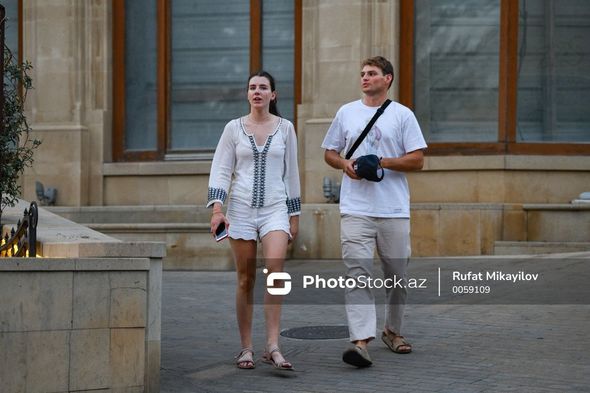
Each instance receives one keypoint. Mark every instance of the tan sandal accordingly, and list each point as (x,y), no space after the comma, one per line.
(245,359)
(394,342)
(284,365)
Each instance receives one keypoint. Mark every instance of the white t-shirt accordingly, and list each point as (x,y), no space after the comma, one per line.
(395,134)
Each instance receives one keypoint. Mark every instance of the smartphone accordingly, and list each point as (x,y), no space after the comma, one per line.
(221,232)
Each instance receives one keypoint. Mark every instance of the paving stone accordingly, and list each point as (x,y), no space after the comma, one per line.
(457,348)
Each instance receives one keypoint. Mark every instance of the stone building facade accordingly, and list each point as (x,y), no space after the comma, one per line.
(130,97)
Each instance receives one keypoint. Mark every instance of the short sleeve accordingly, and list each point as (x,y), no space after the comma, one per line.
(412,135)
(335,138)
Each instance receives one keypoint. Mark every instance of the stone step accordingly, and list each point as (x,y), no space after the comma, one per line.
(561,223)
(189,246)
(164,214)
(534,247)
(184,229)
(438,229)
(149,227)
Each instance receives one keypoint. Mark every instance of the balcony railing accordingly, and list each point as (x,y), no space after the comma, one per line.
(22,242)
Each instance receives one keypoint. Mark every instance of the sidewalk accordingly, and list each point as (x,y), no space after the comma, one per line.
(457,348)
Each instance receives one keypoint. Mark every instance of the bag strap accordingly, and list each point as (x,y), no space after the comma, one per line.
(360,139)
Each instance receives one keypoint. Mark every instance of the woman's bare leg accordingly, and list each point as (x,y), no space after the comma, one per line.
(274,247)
(244,252)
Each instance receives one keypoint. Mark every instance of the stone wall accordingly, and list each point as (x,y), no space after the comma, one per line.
(73,324)
(69,45)
(85,315)
(461,179)
(437,229)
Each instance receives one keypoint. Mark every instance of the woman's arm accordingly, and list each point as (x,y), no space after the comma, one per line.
(291,175)
(222,167)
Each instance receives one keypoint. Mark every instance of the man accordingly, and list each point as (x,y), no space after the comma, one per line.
(375,214)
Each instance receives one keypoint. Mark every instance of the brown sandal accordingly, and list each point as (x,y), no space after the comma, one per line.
(284,365)
(245,359)
(394,342)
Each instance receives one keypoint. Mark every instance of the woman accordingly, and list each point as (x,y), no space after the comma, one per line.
(257,156)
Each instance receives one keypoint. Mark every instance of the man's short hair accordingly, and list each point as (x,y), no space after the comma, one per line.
(382,63)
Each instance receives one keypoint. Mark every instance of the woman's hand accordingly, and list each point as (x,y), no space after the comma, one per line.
(217,217)
(294,227)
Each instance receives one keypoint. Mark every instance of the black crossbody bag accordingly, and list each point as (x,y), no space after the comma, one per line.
(368,166)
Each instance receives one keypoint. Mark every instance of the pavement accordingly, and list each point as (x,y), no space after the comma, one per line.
(497,347)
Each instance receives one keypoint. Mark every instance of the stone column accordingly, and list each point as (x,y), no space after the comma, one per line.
(68,43)
(337,36)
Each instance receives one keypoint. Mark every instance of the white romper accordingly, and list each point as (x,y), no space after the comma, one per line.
(264,180)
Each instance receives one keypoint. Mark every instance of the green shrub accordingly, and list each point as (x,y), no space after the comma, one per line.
(16,144)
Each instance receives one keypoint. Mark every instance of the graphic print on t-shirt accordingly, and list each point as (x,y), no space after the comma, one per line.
(373,140)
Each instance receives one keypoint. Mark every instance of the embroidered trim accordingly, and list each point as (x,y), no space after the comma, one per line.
(293,205)
(259,181)
(214,194)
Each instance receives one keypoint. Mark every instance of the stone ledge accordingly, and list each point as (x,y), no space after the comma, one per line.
(457,206)
(56,264)
(431,206)
(431,163)
(60,238)
(543,244)
(133,214)
(555,206)
(536,247)
(157,168)
(150,227)
(104,249)
(45,127)
(501,162)
(122,208)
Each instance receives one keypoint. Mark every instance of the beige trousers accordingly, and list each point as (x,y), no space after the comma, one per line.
(360,235)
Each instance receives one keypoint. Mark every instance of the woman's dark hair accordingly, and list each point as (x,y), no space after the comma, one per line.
(273,104)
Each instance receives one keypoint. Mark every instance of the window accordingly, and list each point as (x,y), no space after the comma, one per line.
(210,61)
(181,68)
(498,76)
(13,10)
(141,76)
(553,65)
(456,80)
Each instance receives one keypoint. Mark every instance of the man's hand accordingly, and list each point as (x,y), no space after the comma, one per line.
(349,169)
(333,159)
